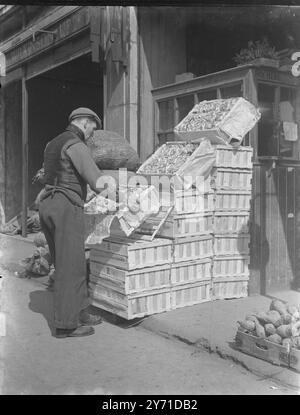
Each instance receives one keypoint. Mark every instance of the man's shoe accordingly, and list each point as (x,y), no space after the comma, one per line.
(78,332)
(87,319)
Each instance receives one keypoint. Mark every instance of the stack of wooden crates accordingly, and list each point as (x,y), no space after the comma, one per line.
(233,178)
(200,253)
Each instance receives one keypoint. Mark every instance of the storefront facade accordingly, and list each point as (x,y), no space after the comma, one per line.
(133,58)
(57,59)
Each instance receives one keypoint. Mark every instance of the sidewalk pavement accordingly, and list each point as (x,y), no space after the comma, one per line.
(213,325)
(210,326)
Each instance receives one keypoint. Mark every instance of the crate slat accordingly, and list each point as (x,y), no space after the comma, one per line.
(231,222)
(179,225)
(187,201)
(262,349)
(190,294)
(228,200)
(231,179)
(130,306)
(132,253)
(191,271)
(240,157)
(144,279)
(231,244)
(231,266)
(229,287)
(192,247)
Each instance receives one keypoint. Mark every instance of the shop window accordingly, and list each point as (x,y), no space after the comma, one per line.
(165,137)
(277,128)
(166,115)
(288,136)
(207,95)
(232,91)
(185,105)
(267,131)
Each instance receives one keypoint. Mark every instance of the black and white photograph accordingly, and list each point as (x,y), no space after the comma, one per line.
(149,201)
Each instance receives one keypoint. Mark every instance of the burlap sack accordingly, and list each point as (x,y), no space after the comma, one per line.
(111,151)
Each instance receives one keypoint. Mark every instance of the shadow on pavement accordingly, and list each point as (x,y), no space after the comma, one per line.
(41,302)
(116,320)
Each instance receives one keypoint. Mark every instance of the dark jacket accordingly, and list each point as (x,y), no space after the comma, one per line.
(60,173)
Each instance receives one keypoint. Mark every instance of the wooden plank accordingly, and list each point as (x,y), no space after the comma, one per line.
(2,157)
(263,242)
(290,228)
(59,56)
(297,228)
(262,349)
(254,281)
(250,93)
(12,76)
(24,155)
(282,240)
(272,229)
(52,18)
(217,79)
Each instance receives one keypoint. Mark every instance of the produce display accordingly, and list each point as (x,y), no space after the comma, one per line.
(168,158)
(281,324)
(206,115)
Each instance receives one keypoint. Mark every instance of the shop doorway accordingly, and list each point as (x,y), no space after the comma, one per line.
(52,96)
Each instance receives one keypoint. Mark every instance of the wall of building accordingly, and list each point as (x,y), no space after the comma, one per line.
(13,149)
(2,157)
(121,63)
(162,56)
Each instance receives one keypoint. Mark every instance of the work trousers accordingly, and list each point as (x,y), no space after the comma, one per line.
(63,225)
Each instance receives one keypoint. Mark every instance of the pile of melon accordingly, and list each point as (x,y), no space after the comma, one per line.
(281,324)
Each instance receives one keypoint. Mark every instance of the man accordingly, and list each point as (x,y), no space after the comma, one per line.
(68,168)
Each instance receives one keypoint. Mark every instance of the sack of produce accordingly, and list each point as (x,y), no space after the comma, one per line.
(111,151)
(39,262)
(223,121)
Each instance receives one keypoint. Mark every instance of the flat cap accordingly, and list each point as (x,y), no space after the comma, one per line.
(85,112)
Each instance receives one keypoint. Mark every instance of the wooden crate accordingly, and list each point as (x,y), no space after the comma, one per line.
(294,359)
(192,247)
(191,271)
(133,252)
(240,157)
(190,294)
(129,282)
(232,200)
(179,225)
(166,183)
(130,306)
(231,266)
(188,201)
(231,222)
(232,179)
(231,244)
(229,287)
(266,350)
